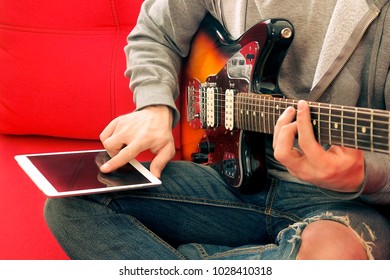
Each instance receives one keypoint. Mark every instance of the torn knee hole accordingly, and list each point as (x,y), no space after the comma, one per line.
(328,236)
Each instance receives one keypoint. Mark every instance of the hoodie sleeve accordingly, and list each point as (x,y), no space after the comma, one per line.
(156,47)
(376,187)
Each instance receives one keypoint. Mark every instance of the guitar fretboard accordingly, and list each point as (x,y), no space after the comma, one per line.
(361,128)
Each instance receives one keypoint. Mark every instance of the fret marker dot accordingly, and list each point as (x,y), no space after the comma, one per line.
(314,122)
(364,129)
(336,125)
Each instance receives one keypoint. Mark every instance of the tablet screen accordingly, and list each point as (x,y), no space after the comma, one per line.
(74,173)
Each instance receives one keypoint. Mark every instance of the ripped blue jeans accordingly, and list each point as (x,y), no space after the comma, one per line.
(195,215)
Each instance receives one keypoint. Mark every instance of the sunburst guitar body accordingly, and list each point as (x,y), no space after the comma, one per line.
(217,69)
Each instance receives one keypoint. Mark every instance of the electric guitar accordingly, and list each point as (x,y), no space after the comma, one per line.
(232,100)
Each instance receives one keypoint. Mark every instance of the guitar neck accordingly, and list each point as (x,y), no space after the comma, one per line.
(361,128)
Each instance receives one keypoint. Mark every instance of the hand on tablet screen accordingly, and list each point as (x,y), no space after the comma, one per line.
(125,175)
(129,135)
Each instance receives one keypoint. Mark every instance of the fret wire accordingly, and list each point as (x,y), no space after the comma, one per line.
(253,116)
(257,115)
(356,145)
(372,131)
(388,137)
(329,125)
(342,126)
(269,119)
(250,116)
(319,125)
(246,114)
(274,120)
(262,114)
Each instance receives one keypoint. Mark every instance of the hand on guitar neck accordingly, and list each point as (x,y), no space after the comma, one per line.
(338,168)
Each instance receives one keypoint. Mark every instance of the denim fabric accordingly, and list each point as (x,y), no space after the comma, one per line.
(195,215)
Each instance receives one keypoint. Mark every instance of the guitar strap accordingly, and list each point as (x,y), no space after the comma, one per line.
(351,44)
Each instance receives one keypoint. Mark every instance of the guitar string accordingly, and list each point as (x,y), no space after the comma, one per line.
(363,131)
(323,106)
(271,102)
(356,128)
(332,108)
(346,121)
(353,141)
(267,126)
(338,136)
(291,102)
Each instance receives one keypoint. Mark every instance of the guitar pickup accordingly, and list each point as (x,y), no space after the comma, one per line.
(210,97)
(229,109)
(211,106)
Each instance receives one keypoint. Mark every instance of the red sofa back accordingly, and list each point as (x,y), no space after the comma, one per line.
(62,65)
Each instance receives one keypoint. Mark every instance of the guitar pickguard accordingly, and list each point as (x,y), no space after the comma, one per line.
(236,75)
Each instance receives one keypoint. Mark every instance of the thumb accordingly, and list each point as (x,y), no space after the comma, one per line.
(161,160)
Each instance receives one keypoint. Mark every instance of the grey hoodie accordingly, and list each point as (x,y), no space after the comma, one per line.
(340,54)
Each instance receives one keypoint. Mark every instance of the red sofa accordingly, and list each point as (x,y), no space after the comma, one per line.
(61,82)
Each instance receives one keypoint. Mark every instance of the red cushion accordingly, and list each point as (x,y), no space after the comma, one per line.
(62,65)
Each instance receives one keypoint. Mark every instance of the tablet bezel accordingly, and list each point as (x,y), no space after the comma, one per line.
(50,191)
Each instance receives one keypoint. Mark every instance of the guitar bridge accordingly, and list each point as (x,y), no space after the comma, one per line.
(195,107)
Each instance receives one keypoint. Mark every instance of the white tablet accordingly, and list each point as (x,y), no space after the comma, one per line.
(77,173)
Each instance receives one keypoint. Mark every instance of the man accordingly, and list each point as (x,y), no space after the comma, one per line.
(314,203)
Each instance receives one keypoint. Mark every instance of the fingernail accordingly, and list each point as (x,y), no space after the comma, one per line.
(301,105)
(105,168)
(289,110)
